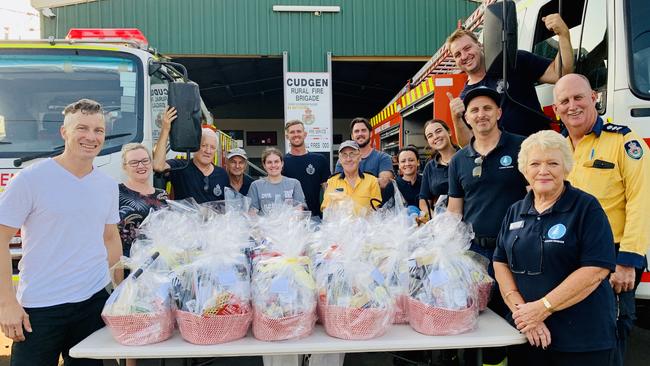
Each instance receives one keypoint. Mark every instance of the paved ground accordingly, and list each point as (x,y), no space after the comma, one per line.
(638,355)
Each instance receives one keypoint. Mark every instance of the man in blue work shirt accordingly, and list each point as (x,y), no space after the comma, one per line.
(484,182)
(311,169)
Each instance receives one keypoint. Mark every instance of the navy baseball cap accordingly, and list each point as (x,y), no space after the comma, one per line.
(482,91)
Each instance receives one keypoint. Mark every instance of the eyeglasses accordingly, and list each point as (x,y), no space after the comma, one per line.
(478,169)
(135,163)
(533,269)
(350,155)
(206,183)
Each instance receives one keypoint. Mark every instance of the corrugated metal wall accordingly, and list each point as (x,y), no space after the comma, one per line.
(250,27)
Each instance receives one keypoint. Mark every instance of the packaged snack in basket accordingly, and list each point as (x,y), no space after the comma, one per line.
(353,302)
(139,311)
(212,292)
(386,249)
(475,268)
(283,287)
(443,298)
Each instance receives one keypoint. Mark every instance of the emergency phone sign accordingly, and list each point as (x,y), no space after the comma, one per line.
(308,98)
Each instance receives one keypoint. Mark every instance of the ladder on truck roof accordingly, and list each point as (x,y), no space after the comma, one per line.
(441,62)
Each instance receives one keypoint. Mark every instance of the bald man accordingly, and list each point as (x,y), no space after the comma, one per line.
(610,164)
(200,179)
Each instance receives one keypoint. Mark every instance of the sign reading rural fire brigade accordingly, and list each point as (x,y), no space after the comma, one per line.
(308,98)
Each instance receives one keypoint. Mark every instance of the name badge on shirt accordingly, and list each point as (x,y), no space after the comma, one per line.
(516,225)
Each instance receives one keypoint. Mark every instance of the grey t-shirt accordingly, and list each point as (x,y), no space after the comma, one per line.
(264,194)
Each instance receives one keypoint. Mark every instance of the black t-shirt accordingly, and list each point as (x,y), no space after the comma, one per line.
(134,208)
(435,180)
(487,198)
(543,249)
(516,119)
(190,182)
(410,192)
(311,170)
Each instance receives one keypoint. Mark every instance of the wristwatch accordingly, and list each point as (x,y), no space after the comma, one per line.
(547,304)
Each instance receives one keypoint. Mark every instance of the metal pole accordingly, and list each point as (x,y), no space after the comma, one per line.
(331,107)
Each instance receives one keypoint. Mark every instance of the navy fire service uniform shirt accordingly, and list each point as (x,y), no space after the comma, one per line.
(488,197)
(435,180)
(311,170)
(190,182)
(543,249)
(521,87)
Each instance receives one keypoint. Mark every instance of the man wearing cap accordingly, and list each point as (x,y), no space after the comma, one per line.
(236,168)
(484,182)
(351,182)
(310,169)
(530,69)
(199,178)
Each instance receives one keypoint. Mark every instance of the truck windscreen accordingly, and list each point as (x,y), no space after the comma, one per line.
(35,88)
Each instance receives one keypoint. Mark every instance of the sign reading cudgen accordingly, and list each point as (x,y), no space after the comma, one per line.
(308,98)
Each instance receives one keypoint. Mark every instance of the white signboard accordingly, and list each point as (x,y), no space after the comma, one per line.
(308,98)
(158,105)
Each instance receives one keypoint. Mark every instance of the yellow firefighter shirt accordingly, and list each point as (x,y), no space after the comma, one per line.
(611,164)
(365,189)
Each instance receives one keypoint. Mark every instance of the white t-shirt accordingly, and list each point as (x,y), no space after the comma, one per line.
(62,220)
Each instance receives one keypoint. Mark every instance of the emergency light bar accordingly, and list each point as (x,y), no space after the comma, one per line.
(108,34)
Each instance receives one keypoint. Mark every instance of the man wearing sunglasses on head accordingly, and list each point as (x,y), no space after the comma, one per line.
(484,181)
(200,179)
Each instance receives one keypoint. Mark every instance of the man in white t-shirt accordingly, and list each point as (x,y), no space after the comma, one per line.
(67,211)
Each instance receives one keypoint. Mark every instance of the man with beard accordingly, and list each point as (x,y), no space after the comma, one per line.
(529,69)
(198,178)
(310,169)
(375,162)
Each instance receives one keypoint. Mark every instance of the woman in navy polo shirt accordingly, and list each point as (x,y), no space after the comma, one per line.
(435,180)
(410,180)
(554,254)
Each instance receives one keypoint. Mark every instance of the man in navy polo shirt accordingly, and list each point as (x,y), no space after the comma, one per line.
(483,178)
(311,169)
(484,182)
(199,178)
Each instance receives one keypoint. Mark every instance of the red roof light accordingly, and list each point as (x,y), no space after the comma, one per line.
(108,34)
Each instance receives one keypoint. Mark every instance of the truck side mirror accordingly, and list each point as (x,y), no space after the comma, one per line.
(185,134)
(500,27)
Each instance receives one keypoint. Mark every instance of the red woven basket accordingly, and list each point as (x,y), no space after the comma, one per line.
(354,323)
(277,329)
(212,329)
(401,310)
(484,292)
(432,320)
(140,329)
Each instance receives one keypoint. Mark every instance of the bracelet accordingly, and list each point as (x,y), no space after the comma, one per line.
(547,304)
(505,297)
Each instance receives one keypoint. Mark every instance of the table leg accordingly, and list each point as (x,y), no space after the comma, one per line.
(479,357)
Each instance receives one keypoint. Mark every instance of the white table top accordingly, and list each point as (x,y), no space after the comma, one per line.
(492,331)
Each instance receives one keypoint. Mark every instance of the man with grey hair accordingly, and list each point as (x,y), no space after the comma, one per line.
(610,165)
(198,178)
(67,211)
(237,164)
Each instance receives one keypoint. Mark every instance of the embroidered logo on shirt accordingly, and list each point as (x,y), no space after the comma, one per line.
(505,160)
(310,169)
(633,149)
(217,190)
(556,231)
